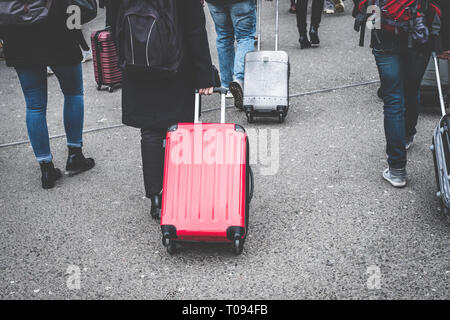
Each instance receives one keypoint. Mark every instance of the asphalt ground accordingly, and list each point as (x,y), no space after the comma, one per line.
(323,224)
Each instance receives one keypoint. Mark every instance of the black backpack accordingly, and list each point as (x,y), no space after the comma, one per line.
(17,13)
(149,37)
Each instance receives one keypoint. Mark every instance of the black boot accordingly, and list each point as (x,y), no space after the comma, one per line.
(314,36)
(49,174)
(77,163)
(155,209)
(304,42)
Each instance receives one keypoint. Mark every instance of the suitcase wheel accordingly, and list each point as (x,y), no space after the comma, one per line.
(281,118)
(238,246)
(111,89)
(250,118)
(170,245)
(99,87)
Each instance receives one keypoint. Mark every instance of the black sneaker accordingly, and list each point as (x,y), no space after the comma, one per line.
(314,36)
(49,175)
(77,163)
(304,42)
(238,94)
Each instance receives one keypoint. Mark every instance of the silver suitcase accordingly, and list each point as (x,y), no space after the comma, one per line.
(266,79)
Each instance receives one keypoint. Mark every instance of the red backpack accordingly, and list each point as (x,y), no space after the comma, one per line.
(397,16)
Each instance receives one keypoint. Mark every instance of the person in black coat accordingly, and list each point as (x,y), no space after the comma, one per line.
(154,105)
(445,29)
(30,50)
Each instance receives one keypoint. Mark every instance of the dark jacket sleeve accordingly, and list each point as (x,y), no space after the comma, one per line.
(196,46)
(445,29)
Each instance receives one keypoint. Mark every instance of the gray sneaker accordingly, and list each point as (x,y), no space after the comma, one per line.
(396,177)
(409,142)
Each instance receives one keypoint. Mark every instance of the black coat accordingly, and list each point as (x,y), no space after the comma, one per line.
(47,43)
(445,4)
(159,104)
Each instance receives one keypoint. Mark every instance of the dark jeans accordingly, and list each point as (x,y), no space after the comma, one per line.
(152,159)
(401,71)
(316,14)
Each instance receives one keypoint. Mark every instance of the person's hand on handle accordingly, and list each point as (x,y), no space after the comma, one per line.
(206,91)
(444,55)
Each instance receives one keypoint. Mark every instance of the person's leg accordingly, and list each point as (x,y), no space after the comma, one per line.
(316,13)
(71,82)
(225,41)
(391,72)
(243,15)
(416,65)
(34,87)
(153,167)
(316,17)
(152,160)
(302,11)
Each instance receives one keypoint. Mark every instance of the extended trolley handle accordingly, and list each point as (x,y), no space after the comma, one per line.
(277,22)
(222,92)
(438,79)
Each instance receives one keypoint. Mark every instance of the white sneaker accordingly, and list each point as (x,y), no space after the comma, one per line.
(339,6)
(87,55)
(409,142)
(396,177)
(49,71)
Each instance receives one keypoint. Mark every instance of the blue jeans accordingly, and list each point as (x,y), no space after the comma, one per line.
(34,86)
(401,71)
(234,22)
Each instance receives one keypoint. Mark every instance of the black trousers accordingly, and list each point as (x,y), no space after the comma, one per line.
(316,14)
(152,159)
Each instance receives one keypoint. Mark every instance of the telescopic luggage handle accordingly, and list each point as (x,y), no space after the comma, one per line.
(277,20)
(439,85)
(223,92)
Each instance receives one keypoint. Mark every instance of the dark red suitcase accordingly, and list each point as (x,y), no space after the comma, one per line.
(208,183)
(106,62)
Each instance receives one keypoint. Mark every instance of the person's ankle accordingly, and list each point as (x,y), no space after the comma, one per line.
(49,174)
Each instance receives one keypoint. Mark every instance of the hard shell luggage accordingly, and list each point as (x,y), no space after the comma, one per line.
(429,97)
(441,149)
(106,62)
(266,79)
(208,183)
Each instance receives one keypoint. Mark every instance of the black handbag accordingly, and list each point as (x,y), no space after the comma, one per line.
(88,9)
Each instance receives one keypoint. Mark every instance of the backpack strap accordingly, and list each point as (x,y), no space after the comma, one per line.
(413,23)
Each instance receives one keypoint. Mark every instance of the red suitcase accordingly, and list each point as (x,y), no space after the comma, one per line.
(106,61)
(208,183)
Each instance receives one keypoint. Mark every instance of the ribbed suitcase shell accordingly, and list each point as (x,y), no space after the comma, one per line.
(202,200)
(106,62)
